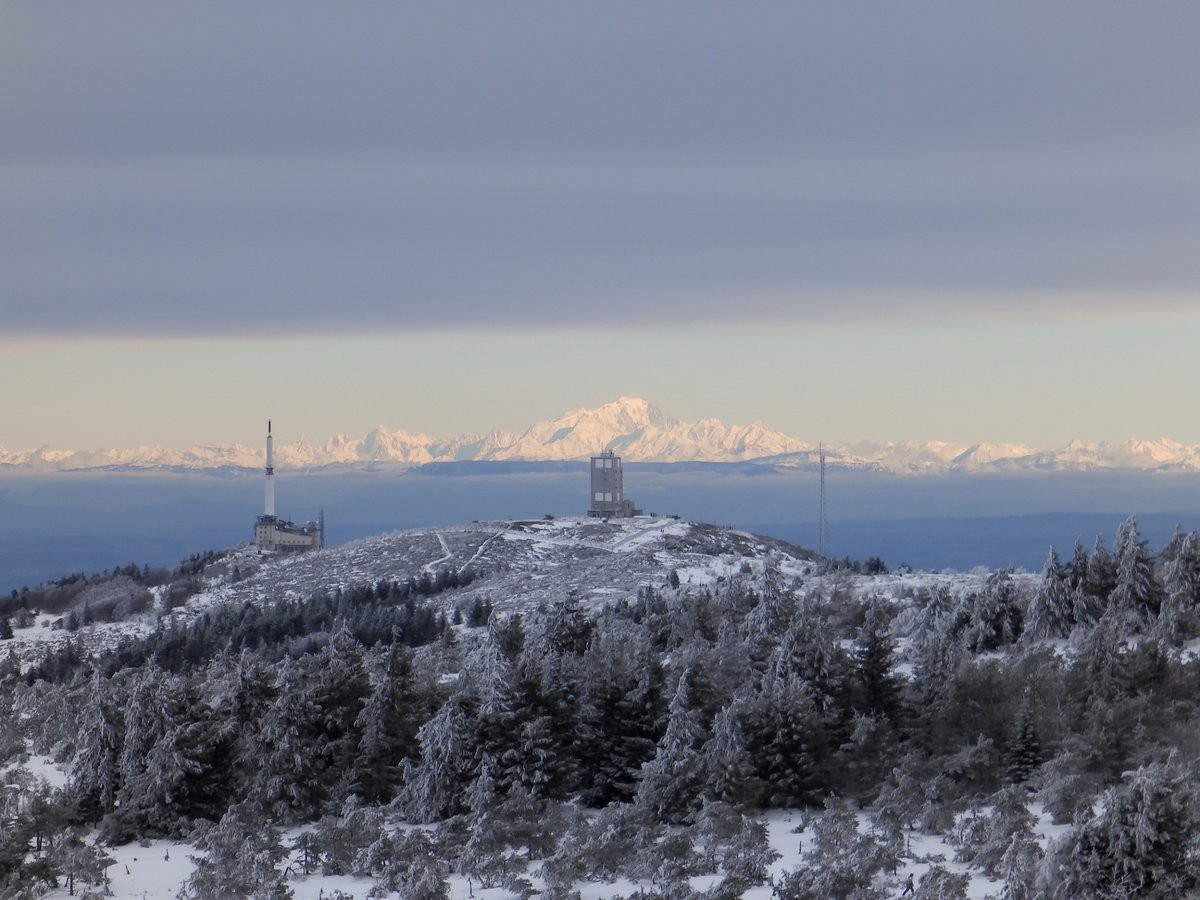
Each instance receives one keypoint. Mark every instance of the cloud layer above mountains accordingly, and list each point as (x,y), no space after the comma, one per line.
(292,168)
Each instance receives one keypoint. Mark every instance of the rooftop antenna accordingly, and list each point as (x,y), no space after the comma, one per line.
(269,504)
(822,524)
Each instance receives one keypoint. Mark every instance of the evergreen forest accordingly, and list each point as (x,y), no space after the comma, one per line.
(390,731)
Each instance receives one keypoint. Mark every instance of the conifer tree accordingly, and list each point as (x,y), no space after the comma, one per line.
(1024,749)
(567,627)
(1101,572)
(983,838)
(1018,868)
(541,754)
(993,617)
(842,862)
(246,696)
(1138,844)
(1085,608)
(878,688)
(145,722)
(867,755)
(725,761)
(620,714)
(94,779)
(341,838)
(240,857)
(484,853)
(785,731)
(809,653)
(934,619)
(79,863)
(1137,594)
(731,668)
(1178,620)
(939,658)
(288,778)
(509,634)
(1051,613)
(671,782)
(388,723)
(533,764)
(434,786)
(339,689)
(1075,572)
(424,874)
(187,774)
(489,679)
(764,625)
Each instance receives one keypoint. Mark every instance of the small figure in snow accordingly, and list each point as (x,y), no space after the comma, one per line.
(908,886)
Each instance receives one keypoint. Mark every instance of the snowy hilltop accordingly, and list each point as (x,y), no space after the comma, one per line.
(635,429)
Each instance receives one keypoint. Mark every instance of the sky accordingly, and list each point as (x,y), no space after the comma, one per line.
(929,220)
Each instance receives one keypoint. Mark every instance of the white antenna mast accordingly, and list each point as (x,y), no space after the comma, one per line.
(822,524)
(269,505)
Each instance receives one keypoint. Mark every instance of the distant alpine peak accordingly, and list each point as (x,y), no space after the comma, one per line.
(637,430)
(640,431)
(624,413)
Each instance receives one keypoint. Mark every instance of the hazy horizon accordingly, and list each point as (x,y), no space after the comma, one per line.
(52,526)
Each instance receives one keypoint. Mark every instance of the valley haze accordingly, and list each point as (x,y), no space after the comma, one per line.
(931,505)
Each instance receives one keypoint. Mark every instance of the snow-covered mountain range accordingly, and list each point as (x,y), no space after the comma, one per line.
(636,430)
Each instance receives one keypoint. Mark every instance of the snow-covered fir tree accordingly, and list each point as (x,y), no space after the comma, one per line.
(1051,612)
(1137,594)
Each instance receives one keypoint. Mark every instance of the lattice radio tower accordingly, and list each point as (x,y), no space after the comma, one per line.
(822,524)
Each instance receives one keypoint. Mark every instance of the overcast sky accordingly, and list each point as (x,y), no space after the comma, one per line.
(850,220)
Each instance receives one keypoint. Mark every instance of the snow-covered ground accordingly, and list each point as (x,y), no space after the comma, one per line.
(156,870)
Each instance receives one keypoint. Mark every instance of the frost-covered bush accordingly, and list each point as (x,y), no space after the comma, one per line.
(1139,843)
(1063,788)
(1019,867)
(340,839)
(983,837)
(733,843)
(939,883)
(407,863)
(241,856)
(843,862)
(600,847)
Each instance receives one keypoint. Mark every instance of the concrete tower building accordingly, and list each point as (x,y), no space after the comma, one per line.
(608,488)
(269,505)
(275,534)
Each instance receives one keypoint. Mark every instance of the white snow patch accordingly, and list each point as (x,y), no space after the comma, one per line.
(154,871)
(40,767)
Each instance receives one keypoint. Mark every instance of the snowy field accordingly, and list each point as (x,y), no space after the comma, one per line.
(157,870)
